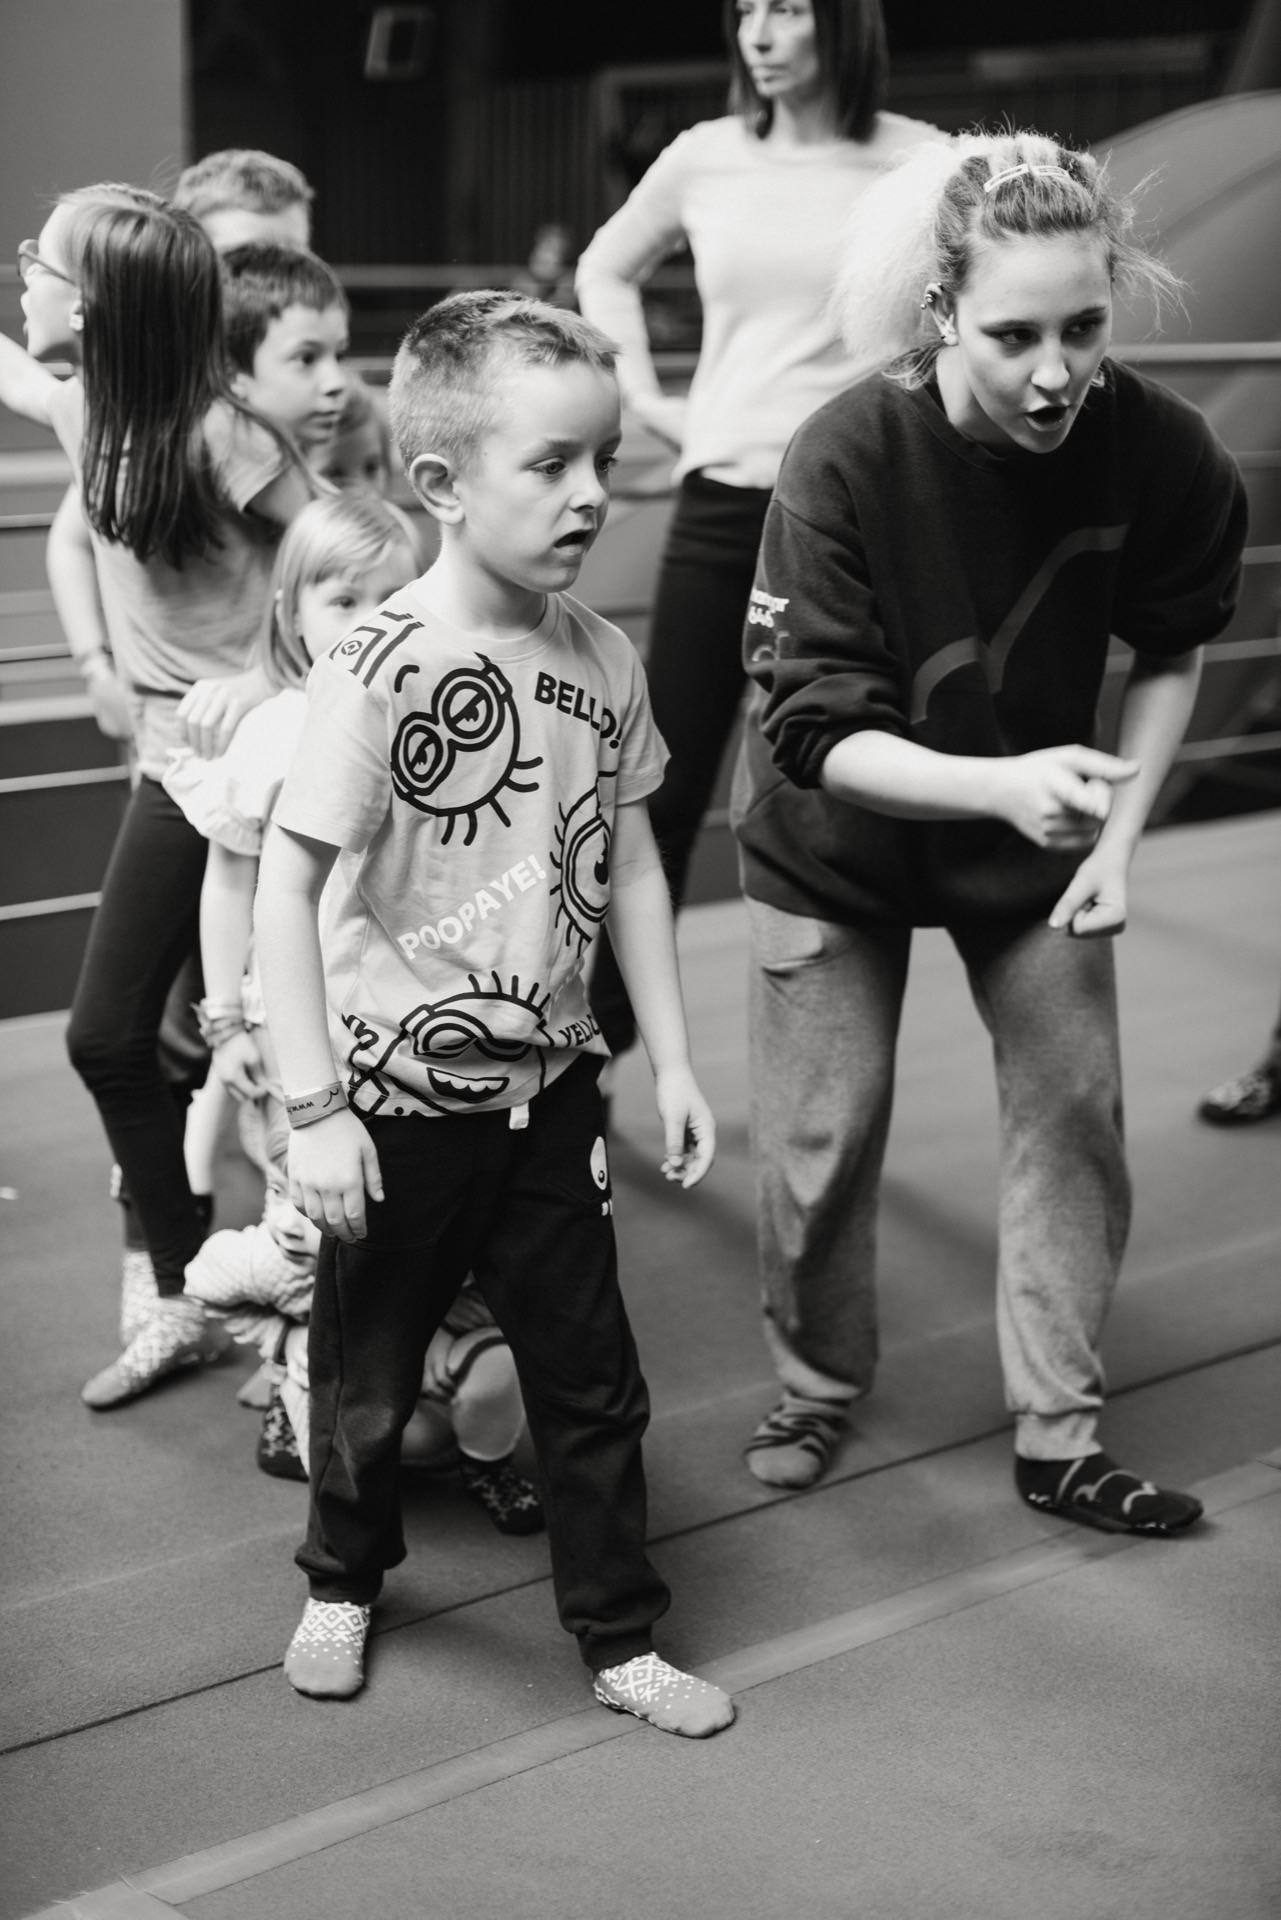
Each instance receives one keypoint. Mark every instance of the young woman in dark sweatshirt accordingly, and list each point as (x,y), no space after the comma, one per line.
(950,546)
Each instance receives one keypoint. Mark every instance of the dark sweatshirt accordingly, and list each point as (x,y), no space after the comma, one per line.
(913,581)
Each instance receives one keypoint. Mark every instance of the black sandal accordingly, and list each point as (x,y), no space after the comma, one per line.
(1098,1493)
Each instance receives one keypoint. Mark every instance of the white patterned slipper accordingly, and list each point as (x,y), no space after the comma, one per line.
(326,1656)
(174,1335)
(670,1700)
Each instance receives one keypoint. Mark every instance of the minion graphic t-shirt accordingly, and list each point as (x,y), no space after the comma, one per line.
(470,787)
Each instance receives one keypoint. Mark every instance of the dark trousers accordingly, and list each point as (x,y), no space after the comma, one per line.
(695,672)
(147,925)
(528,1211)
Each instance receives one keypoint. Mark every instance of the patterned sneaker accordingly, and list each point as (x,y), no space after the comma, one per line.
(510,1500)
(175,1335)
(670,1700)
(138,1294)
(1237,1103)
(326,1656)
(278,1443)
(794,1445)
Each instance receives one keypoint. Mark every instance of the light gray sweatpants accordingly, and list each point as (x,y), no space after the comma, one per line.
(824,1018)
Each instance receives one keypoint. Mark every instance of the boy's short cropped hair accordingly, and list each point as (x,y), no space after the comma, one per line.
(244,178)
(446,385)
(262,279)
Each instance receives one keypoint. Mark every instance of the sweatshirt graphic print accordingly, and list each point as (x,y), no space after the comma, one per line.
(913,582)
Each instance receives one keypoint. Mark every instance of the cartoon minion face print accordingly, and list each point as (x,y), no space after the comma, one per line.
(469,1043)
(581,860)
(460,754)
(473,1039)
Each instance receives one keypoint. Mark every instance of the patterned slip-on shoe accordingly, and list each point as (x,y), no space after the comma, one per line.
(1240,1102)
(175,1335)
(326,1657)
(670,1700)
(510,1500)
(795,1443)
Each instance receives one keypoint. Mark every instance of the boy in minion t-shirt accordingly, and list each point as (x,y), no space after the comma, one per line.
(473,774)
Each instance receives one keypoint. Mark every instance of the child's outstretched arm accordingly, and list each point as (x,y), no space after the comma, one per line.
(226,932)
(1159,697)
(640,928)
(25,386)
(332,1162)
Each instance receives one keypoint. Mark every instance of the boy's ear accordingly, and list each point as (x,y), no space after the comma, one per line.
(432,478)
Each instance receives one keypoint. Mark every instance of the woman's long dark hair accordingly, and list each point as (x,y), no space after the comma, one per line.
(853,58)
(154,361)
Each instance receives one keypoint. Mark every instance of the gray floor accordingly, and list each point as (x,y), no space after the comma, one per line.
(948,1706)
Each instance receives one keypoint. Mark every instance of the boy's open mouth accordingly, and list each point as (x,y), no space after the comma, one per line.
(575,542)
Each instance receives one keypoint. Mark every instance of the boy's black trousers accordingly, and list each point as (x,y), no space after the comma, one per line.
(528,1211)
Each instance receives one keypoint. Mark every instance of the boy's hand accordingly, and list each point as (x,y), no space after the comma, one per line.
(238,1064)
(689,1131)
(1094,903)
(211,710)
(1060,796)
(332,1166)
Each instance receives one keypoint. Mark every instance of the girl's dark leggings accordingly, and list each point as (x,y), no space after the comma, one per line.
(695,674)
(146,926)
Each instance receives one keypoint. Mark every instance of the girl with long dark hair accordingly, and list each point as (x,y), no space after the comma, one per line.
(185,492)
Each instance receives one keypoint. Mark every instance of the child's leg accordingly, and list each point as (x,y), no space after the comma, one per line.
(1049,1003)
(145,926)
(823,1022)
(549,1273)
(487,1411)
(374,1309)
(295,1391)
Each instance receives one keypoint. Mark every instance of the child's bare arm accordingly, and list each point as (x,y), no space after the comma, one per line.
(640,928)
(226,930)
(25,386)
(73,582)
(332,1163)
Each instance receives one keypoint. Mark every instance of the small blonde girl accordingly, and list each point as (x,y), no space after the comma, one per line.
(340,558)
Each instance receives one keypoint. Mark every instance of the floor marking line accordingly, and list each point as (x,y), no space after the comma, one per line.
(253,1854)
(119,1901)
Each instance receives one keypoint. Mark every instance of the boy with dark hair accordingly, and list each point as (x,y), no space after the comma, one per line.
(473,774)
(286,318)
